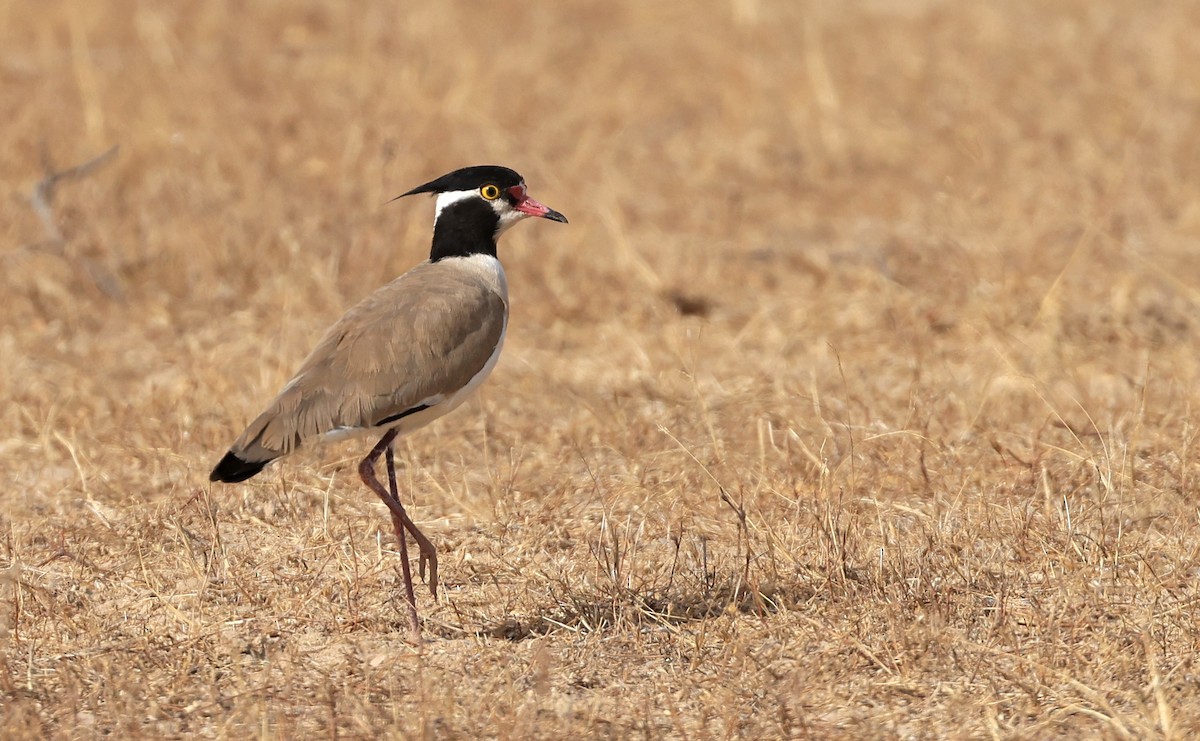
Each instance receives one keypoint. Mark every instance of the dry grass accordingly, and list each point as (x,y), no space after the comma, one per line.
(915,283)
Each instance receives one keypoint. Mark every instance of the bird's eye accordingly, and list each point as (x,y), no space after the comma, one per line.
(490,192)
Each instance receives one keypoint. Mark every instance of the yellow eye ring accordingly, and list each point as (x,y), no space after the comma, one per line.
(490,192)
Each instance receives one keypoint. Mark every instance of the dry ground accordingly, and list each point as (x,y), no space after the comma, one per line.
(916,283)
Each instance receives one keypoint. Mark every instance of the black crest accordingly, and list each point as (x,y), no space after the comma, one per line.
(469,178)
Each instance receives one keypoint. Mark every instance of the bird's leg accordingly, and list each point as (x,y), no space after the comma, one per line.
(366,471)
(428,552)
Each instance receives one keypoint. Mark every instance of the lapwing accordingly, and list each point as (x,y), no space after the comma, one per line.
(406,354)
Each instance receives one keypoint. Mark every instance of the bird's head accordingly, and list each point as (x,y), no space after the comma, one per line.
(500,189)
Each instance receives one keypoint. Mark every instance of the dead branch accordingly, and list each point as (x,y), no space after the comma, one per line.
(42,202)
(43,194)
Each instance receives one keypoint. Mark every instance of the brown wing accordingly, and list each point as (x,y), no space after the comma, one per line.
(425,334)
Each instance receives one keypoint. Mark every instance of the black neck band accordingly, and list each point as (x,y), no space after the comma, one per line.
(466,227)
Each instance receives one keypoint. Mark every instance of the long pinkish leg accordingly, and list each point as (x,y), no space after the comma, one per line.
(428,552)
(400,520)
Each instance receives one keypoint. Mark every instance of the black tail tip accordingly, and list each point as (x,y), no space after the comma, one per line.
(232,469)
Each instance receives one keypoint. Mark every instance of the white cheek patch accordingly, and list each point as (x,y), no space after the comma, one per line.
(508,214)
(508,217)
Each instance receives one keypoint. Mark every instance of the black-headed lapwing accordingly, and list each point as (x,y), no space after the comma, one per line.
(408,353)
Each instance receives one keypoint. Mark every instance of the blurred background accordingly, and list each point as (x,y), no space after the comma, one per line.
(898,275)
(800,175)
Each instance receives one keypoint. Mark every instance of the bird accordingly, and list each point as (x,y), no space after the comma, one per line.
(410,352)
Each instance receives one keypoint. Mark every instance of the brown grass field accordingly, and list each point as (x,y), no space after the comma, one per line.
(915,284)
